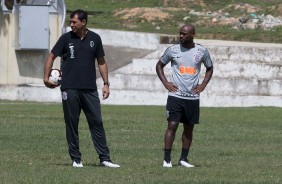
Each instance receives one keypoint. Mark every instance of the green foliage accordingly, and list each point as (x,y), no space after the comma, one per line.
(231,145)
(109,5)
(102,15)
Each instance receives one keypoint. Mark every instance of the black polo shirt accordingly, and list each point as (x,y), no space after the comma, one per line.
(78,59)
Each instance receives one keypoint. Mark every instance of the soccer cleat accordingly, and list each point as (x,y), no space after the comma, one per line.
(185,163)
(109,164)
(77,164)
(167,164)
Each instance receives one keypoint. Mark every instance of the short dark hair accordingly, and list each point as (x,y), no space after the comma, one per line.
(81,14)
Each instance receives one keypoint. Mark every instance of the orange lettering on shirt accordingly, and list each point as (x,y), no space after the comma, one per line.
(182,70)
(187,70)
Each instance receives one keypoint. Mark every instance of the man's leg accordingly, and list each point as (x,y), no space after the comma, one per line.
(187,137)
(71,107)
(170,134)
(191,117)
(173,115)
(92,109)
(91,106)
(169,138)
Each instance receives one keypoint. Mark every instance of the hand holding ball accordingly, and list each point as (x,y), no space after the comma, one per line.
(55,76)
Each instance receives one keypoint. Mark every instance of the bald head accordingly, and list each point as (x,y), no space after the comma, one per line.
(188,28)
(187,34)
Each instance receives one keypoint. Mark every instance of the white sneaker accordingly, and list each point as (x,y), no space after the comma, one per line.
(185,164)
(109,164)
(77,164)
(167,164)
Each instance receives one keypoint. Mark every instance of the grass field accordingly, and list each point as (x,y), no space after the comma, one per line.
(231,145)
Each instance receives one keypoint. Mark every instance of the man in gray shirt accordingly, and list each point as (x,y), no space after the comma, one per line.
(183,90)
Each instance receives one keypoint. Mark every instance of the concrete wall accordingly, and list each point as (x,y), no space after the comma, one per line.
(129,39)
(245,74)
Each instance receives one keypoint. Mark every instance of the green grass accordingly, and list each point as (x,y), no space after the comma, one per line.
(101,15)
(231,145)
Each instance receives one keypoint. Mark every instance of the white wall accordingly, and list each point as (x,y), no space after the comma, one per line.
(245,74)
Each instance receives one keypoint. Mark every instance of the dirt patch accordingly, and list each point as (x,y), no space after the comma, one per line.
(183,3)
(147,14)
(280,9)
(247,7)
(158,14)
(174,10)
(163,14)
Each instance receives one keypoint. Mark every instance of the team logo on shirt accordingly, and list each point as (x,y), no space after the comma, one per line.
(167,114)
(198,56)
(64,95)
(92,44)
(187,70)
(71,47)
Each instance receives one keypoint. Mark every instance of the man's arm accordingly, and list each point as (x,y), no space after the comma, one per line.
(47,69)
(208,76)
(160,71)
(103,68)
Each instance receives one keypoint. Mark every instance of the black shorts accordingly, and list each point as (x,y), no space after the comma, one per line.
(183,110)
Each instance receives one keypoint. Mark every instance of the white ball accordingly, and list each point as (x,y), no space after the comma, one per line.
(55,76)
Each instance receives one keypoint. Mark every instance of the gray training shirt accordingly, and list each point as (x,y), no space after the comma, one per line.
(186,67)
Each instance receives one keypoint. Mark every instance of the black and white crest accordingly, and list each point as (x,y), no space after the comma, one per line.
(92,44)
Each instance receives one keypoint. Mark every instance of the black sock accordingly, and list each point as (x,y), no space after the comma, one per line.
(167,153)
(184,154)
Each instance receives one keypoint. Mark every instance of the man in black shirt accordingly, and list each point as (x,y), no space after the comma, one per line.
(78,50)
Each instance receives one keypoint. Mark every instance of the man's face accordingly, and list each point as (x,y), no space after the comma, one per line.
(76,25)
(186,34)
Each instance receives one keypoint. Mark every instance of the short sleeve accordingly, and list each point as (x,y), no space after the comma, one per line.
(59,46)
(207,59)
(100,50)
(166,57)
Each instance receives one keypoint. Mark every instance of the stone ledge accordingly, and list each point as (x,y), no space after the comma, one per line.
(169,39)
